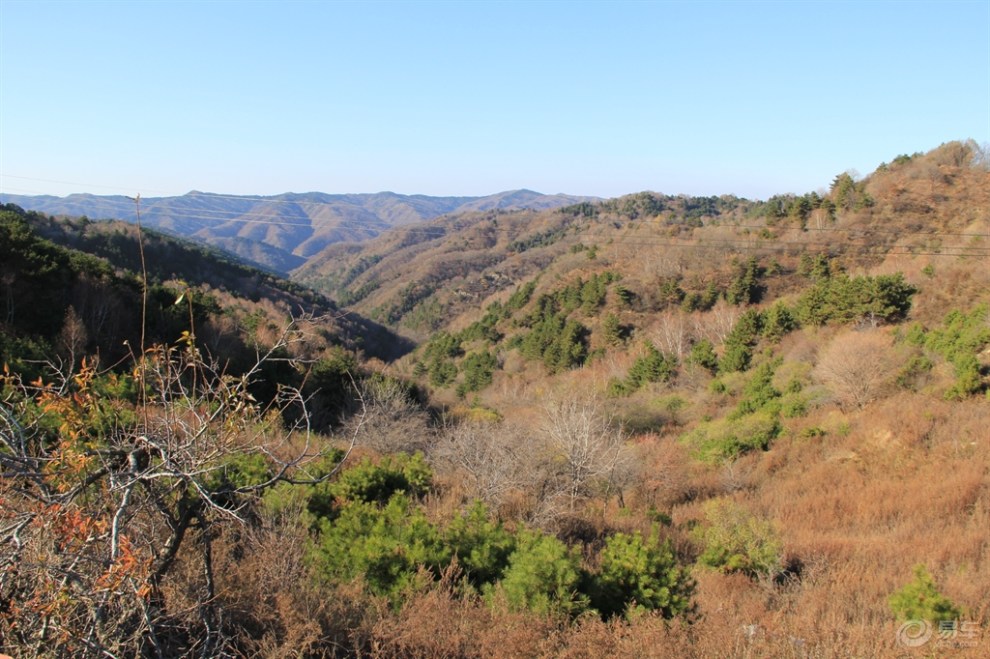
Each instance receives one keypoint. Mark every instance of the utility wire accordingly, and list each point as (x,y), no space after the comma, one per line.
(222,217)
(249,217)
(656,241)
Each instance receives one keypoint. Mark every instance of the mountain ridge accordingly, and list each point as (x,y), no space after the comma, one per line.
(280,232)
(422,277)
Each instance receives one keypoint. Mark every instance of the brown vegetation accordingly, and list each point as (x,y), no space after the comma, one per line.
(858,366)
(796,545)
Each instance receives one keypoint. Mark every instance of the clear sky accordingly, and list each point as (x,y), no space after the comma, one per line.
(472,98)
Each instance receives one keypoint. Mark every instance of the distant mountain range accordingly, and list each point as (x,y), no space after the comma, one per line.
(281,232)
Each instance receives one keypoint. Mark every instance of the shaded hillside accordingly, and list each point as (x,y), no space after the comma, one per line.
(279,232)
(51,265)
(170,258)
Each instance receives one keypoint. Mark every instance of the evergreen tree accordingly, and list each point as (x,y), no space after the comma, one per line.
(778,321)
(654,366)
(921,600)
(640,574)
(543,576)
(739,344)
(703,354)
(383,545)
(611,330)
(482,546)
(478,368)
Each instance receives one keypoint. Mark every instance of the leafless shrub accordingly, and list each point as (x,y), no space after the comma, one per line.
(586,454)
(664,474)
(858,366)
(392,421)
(490,457)
(98,517)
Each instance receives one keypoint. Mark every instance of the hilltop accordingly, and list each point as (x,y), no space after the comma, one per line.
(427,276)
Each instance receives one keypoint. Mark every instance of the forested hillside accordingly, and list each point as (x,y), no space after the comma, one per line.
(74,289)
(422,276)
(790,374)
(647,426)
(282,231)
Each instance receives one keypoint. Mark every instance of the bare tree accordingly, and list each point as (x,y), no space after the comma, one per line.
(819,218)
(662,263)
(858,366)
(392,421)
(586,448)
(981,154)
(717,323)
(490,457)
(73,338)
(673,333)
(7,280)
(99,309)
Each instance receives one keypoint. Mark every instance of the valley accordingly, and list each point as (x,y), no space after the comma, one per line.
(518,425)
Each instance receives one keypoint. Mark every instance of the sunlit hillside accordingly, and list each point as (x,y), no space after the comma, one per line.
(279,232)
(647,426)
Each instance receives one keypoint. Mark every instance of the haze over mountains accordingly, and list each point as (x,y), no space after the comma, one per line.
(281,232)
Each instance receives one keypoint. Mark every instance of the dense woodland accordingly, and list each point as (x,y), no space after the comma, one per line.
(648,426)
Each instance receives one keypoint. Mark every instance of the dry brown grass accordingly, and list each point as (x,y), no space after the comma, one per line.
(859,494)
(909,484)
(902,482)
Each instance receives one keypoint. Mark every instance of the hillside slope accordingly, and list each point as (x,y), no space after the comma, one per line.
(802,384)
(279,232)
(423,277)
(50,266)
(655,425)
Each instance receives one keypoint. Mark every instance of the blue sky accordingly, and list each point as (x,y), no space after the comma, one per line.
(458,98)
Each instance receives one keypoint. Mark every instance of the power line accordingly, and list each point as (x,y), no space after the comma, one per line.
(741,244)
(249,217)
(221,217)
